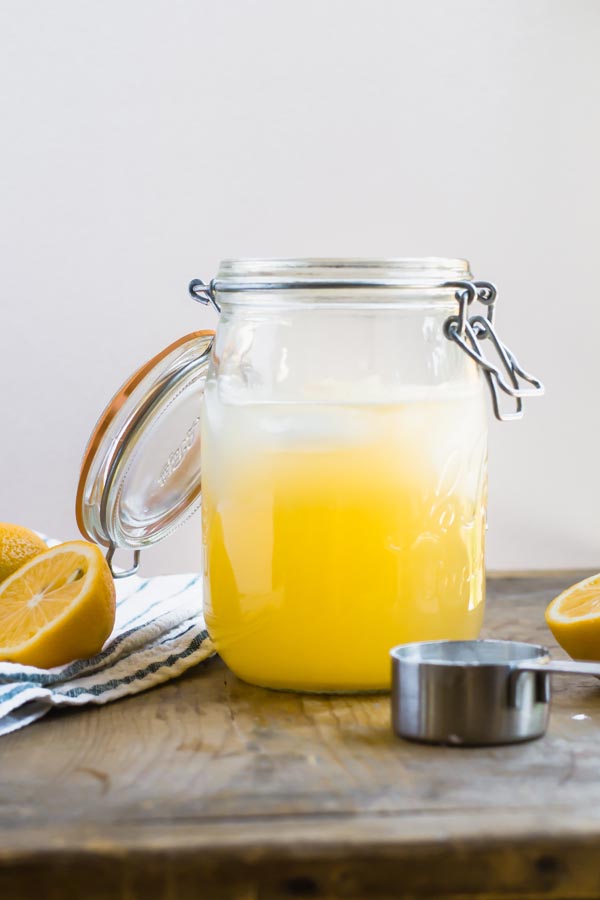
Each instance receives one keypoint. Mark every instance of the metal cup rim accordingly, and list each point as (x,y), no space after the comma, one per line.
(409,653)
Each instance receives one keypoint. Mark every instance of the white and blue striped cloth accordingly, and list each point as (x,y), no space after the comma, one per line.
(159,633)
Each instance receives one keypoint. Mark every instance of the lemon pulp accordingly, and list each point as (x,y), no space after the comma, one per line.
(574,619)
(58,607)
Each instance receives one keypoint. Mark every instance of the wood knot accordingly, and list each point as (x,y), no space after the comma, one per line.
(301,886)
(547,865)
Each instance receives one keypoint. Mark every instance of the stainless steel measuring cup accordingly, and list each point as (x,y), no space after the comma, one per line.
(475,692)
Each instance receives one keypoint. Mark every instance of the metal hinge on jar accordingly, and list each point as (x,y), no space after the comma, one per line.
(505,375)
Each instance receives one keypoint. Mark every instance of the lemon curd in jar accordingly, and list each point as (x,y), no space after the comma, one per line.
(336,530)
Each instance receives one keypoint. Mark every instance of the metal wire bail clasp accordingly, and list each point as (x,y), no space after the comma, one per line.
(505,374)
(203,293)
(122,573)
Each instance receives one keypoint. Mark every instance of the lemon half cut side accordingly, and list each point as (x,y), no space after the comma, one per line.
(574,619)
(58,607)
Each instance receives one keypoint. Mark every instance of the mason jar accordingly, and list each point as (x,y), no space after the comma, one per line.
(335,429)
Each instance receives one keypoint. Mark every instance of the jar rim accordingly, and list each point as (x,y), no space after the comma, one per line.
(241,274)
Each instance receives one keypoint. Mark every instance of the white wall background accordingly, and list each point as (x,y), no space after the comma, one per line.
(143,140)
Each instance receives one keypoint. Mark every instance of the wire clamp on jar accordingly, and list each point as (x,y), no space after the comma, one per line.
(203,293)
(468,332)
(122,573)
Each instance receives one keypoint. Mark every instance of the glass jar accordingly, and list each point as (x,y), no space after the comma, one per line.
(343,462)
(344,472)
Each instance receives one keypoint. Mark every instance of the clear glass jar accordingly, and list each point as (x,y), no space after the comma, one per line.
(335,430)
(343,470)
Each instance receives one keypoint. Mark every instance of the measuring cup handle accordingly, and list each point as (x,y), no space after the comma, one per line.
(563,667)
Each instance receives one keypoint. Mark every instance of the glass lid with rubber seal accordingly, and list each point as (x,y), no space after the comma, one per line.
(141,471)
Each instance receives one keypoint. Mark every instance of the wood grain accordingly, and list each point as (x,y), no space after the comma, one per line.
(208,787)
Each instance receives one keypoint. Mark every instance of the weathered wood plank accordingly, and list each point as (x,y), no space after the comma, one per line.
(208,787)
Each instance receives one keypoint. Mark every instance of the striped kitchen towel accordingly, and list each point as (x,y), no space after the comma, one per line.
(159,633)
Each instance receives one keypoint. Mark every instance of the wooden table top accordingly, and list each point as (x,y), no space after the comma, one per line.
(209,788)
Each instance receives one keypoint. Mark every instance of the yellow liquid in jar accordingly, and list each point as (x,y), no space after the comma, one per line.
(334,532)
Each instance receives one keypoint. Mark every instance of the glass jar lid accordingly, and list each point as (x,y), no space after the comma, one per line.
(141,471)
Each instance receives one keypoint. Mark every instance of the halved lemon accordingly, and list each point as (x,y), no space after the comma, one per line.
(58,607)
(17,546)
(574,619)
